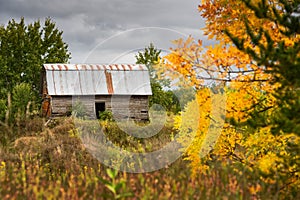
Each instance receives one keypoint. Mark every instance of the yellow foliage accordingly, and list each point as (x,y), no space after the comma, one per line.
(242,84)
(255,189)
(268,162)
(203,142)
(2,169)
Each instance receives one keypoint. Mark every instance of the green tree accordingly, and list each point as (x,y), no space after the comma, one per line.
(172,99)
(280,58)
(150,57)
(23,50)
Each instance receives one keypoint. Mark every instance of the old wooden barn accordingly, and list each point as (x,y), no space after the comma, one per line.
(122,89)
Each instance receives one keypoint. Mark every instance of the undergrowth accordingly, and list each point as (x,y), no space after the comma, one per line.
(49,161)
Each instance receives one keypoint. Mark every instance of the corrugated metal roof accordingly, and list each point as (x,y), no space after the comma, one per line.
(86,79)
(95,67)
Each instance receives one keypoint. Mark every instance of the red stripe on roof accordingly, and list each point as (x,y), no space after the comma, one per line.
(124,67)
(80,86)
(140,66)
(109,83)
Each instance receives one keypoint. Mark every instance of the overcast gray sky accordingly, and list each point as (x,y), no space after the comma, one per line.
(106,31)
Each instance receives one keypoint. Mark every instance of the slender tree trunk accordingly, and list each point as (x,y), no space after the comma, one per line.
(7,114)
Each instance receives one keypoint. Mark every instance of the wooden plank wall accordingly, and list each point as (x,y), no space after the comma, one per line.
(133,107)
(61,105)
(123,107)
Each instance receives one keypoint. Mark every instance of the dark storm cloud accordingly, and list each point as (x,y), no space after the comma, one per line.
(87,23)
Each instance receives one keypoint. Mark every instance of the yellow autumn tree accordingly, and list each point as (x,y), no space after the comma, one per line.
(243,88)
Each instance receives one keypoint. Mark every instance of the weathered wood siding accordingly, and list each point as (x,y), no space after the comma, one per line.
(46,100)
(133,107)
(61,105)
(123,107)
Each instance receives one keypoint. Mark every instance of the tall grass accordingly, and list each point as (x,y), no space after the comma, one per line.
(50,162)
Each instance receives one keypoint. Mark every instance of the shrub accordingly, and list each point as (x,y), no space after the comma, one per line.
(22,98)
(106,115)
(78,109)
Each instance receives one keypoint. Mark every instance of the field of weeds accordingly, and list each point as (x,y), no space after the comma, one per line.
(51,162)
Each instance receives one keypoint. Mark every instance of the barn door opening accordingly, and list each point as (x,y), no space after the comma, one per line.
(99,107)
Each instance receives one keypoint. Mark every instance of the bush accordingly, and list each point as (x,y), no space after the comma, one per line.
(3,108)
(22,97)
(106,115)
(78,109)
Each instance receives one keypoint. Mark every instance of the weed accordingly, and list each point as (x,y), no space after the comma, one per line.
(116,186)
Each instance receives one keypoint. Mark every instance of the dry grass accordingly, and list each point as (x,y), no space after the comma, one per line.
(50,162)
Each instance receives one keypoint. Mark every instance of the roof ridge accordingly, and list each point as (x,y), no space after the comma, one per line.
(94,67)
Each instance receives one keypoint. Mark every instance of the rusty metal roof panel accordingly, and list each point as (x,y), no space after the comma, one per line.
(131,82)
(84,79)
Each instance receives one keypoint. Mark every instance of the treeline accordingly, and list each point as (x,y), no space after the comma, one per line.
(23,50)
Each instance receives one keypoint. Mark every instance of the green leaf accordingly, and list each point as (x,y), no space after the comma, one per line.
(111,188)
(118,186)
(104,181)
(127,194)
(112,173)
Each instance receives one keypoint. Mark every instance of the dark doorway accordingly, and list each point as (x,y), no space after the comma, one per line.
(99,107)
